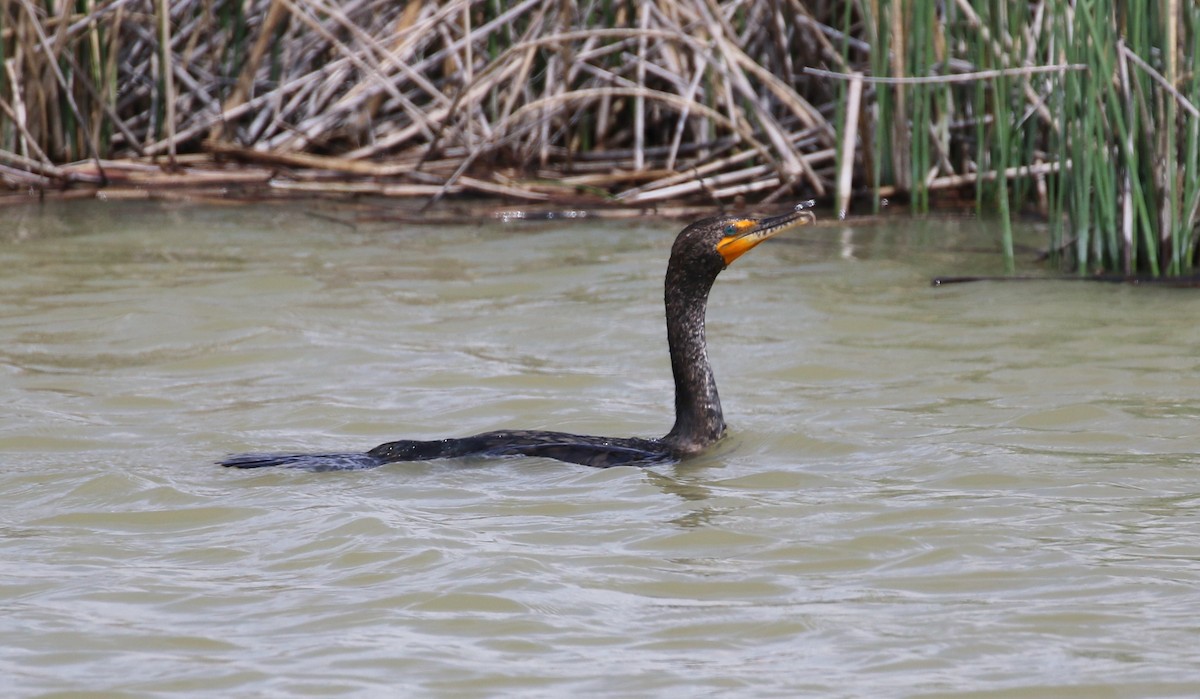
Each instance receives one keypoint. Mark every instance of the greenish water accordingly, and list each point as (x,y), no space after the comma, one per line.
(984,490)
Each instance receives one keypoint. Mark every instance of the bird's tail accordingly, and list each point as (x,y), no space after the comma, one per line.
(404,450)
(306,462)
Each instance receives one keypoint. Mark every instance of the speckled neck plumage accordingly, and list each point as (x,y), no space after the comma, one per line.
(699,421)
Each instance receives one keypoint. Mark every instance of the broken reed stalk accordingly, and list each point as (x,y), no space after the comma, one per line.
(849,145)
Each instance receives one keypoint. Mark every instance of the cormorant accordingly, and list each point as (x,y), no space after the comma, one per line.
(699,254)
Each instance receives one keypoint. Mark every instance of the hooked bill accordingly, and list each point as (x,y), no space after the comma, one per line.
(744,234)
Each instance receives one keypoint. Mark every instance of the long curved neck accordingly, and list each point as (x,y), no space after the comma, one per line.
(698,418)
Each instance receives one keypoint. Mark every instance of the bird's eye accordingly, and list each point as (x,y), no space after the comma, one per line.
(730,229)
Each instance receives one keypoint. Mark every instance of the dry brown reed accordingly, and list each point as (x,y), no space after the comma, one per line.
(527,100)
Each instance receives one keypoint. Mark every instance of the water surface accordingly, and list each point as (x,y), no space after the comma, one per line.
(984,490)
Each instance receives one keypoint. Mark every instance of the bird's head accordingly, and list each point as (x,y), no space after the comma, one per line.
(719,240)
